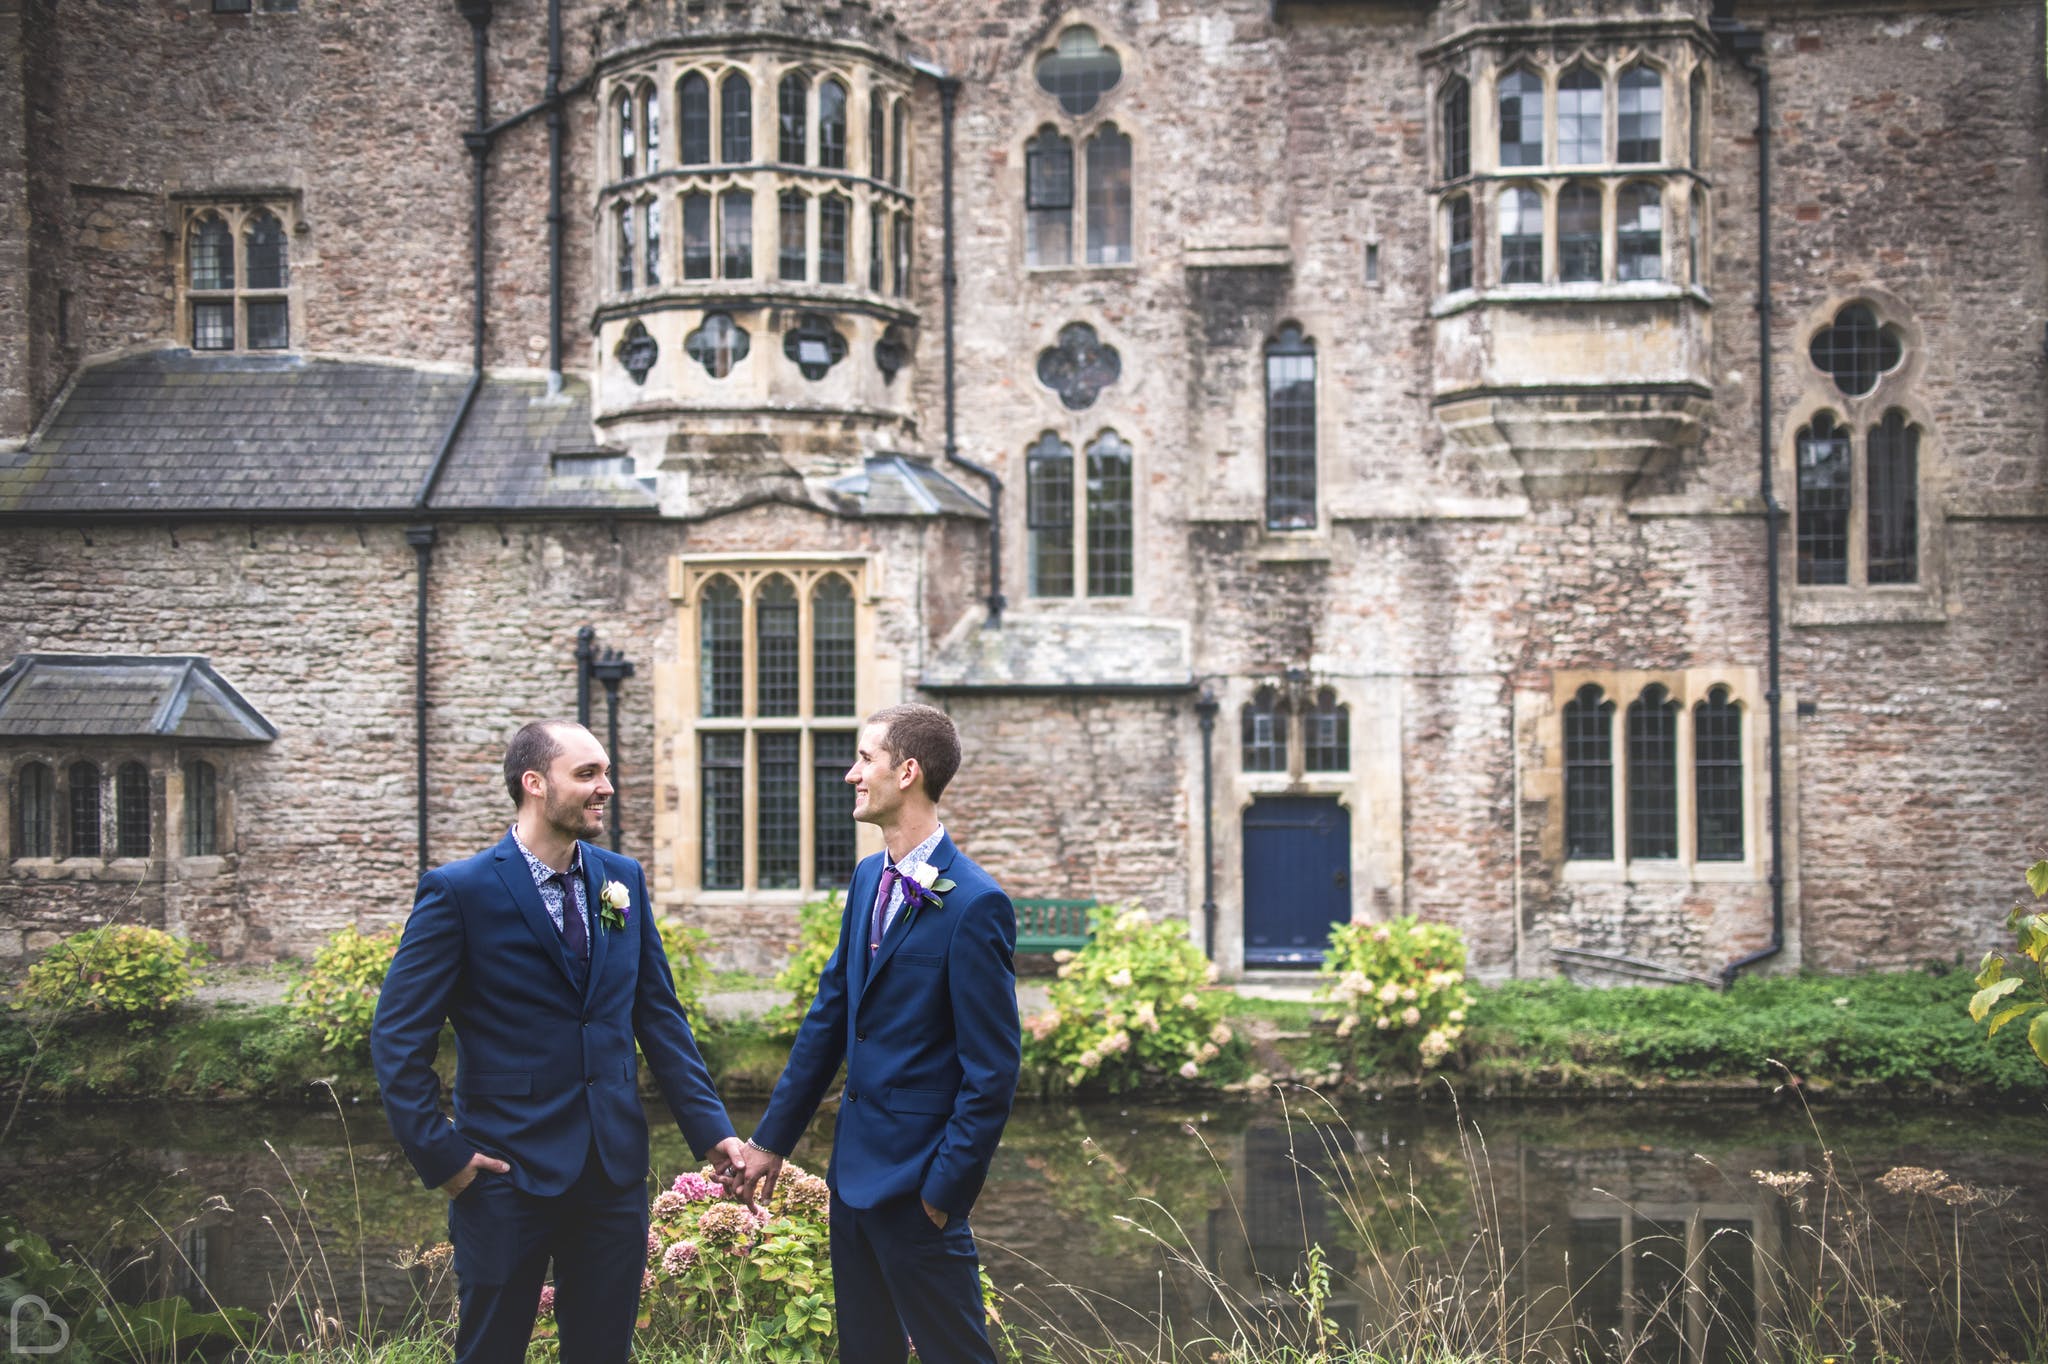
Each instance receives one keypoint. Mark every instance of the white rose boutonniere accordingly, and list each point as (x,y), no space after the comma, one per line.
(923,885)
(614,903)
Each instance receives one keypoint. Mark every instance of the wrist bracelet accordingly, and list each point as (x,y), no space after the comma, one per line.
(764,1150)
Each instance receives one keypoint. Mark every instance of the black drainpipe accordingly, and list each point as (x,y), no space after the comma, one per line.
(422,536)
(1205,713)
(1746,45)
(586,654)
(555,123)
(949,93)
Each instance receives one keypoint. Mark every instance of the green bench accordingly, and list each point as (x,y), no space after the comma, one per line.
(1045,926)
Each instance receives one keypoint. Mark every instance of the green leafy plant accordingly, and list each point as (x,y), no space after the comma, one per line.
(1133,1003)
(119,971)
(817,936)
(63,1311)
(684,947)
(1401,988)
(2009,987)
(337,996)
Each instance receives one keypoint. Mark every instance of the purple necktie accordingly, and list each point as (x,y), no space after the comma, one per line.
(574,936)
(877,922)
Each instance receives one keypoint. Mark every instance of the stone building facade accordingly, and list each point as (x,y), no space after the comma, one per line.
(1325,455)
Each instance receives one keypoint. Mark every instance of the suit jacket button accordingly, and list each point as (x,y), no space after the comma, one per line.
(852,1097)
(860,1037)
(590,1079)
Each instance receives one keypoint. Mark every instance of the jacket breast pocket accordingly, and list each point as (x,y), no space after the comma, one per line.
(496,1082)
(919,1100)
(920,958)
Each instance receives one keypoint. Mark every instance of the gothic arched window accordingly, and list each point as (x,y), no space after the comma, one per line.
(1589,776)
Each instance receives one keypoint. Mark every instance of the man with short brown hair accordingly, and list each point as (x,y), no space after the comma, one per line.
(543,952)
(919,1001)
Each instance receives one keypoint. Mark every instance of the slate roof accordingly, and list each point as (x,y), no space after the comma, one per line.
(1034,652)
(124,696)
(177,431)
(904,485)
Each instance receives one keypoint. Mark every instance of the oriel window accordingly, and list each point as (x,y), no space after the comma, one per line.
(1578,233)
(1454,118)
(1581,120)
(832,214)
(792,98)
(1640,107)
(735,120)
(693,118)
(792,257)
(1521,118)
(832,125)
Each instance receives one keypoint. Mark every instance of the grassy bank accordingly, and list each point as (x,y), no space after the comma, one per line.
(1892,1035)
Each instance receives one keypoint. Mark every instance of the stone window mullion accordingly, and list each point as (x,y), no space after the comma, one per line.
(1610,227)
(750,780)
(1859,498)
(1547,191)
(1617,746)
(1686,769)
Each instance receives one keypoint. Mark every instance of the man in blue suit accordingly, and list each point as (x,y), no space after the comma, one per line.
(920,1002)
(544,953)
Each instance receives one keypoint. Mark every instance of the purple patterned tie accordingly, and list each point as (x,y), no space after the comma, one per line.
(574,936)
(877,921)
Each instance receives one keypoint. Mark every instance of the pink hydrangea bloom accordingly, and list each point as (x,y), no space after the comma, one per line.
(547,1300)
(653,1245)
(698,1188)
(678,1258)
(669,1204)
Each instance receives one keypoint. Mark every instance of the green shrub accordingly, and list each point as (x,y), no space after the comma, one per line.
(684,947)
(1401,988)
(817,935)
(337,996)
(1134,1002)
(2011,987)
(119,971)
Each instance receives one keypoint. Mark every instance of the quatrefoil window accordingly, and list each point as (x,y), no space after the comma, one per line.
(638,351)
(892,352)
(1080,366)
(1079,70)
(718,345)
(814,345)
(1856,350)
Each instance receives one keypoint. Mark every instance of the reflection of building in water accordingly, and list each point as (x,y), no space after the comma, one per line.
(1292,1182)
(1673,1283)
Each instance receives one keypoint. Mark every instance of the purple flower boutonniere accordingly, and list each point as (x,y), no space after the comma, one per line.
(614,904)
(922,885)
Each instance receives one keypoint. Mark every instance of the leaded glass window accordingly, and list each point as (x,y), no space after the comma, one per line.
(779,821)
(1696,240)
(1459,273)
(35,811)
(693,119)
(622,244)
(131,810)
(629,140)
(213,326)
(878,137)
(1824,501)
(1589,776)
(1653,775)
(1049,515)
(650,240)
(1049,199)
(696,235)
(1263,738)
(1578,233)
(832,125)
(202,809)
(832,216)
(792,97)
(1290,431)
(899,149)
(1521,237)
(83,833)
(832,670)
(267,258)
(721,661)
(902,231)
(1521,118)
(723,767)
(1893,533)
(1109,197)
(735,120)
(1639,233)
(1327,734)
(210,255)
(650,126)
(1581,121)
(1717,777)
(718,344)
(1696,116)
(736,234)
(792,257)
(833,845)
(1855,351)
(775,648)
(269,324)
(1110,520)
(1454,118)
(1079,71)
(1639,106)
(878,247)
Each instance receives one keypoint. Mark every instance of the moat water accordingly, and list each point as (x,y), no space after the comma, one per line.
(1637,1231)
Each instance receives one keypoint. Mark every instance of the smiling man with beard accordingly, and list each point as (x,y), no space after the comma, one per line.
(542,952)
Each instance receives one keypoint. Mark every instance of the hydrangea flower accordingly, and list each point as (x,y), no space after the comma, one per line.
(726,1224)
(679,1258)
(1189,1070)
(1221,1034)
(668,1205)
(547,1300)
(653,1244)
(1410,1016)
(697,1187)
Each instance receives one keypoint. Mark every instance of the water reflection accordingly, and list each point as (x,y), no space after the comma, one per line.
(1612,1231)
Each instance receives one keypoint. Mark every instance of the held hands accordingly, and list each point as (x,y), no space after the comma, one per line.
(479,1161)
(753,1176)
(728,1158)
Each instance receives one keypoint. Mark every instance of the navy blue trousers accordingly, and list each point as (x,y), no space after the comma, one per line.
(596,1235)
(898,1279)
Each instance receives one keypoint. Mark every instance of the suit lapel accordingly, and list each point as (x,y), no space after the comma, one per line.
(600,936)
(518,881)
(941,858)
(860,905)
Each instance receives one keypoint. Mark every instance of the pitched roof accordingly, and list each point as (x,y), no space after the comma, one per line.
(905,485)
(179,431)
(125,696)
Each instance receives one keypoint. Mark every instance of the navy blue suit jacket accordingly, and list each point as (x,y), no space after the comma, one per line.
(929,1037)
(543,1070)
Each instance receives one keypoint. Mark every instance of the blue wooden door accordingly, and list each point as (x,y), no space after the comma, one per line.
(1297,878)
